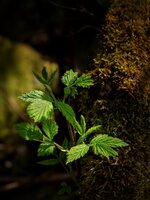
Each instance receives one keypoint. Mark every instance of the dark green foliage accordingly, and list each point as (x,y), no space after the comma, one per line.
(29,131)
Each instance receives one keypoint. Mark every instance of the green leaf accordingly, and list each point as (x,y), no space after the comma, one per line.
(39,78)
(77,127)
(34,95)
(51,161)
(67,92)
(40,109)
(70,91)
(83,124)
(67,111)
(44,73)
(50,128)
(29,131)
(84,81)
(77,152)
(69,114)
(45,149)
(92,129)
(65,143)
(52,76)
(104,150)
(109,140)
(104,144)
(69,77)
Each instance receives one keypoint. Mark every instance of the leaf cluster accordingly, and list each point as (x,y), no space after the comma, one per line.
(71,81)
(41,109)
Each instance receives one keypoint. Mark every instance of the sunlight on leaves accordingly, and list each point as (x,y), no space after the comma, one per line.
(77,152)
(40,109)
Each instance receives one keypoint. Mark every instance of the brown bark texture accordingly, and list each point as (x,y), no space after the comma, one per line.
(120,102)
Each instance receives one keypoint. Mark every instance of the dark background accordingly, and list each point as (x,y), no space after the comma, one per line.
(64,31)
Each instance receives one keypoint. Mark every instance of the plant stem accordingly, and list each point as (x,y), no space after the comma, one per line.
(72,175)
(49,90)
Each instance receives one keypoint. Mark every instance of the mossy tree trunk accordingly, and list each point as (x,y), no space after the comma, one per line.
(120,101)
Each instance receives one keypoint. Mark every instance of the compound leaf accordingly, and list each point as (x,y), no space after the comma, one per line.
(77,152)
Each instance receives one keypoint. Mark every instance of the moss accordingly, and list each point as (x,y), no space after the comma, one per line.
(120,102)
(126,44)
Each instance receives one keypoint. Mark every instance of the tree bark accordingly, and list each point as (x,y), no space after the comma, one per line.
(120,101)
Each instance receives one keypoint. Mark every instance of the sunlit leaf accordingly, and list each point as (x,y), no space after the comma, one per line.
(69,114)
(40,109)
(77,127)
(92,129)
(104,150)
(109,140)
(66,110)
(69,77)
(34,95)
(104,144)
(45,149)
(84,81)
(50,127)
(77,152)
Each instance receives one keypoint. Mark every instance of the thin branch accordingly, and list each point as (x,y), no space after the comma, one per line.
(83,28)
(81,9)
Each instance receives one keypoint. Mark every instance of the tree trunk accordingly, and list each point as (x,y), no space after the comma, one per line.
(120,101)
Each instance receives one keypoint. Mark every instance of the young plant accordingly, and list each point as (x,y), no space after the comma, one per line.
(44,128)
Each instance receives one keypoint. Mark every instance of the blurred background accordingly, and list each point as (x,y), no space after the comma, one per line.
(58,34)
